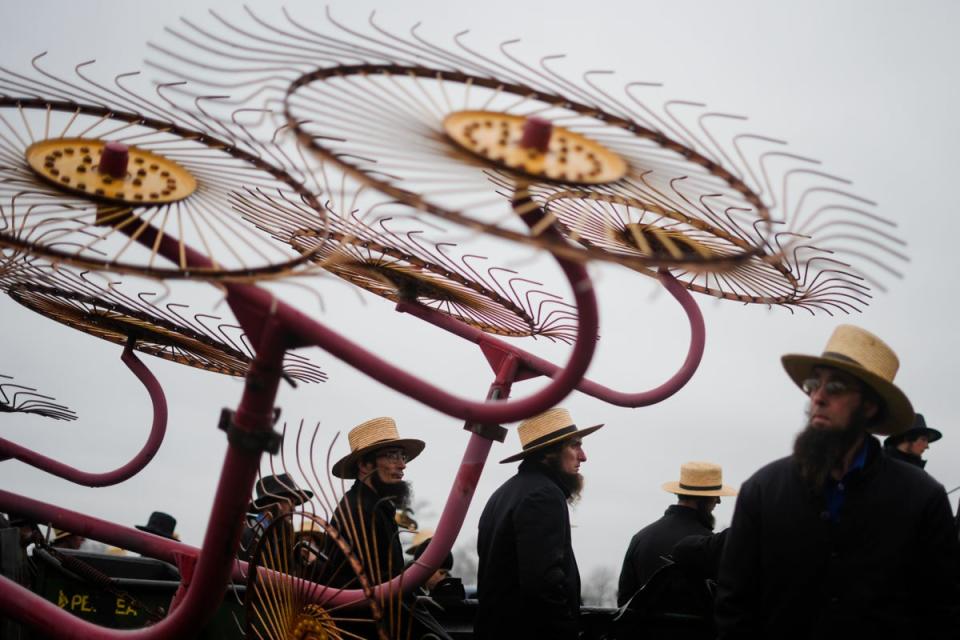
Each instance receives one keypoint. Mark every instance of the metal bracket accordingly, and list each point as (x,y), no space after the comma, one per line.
(257,441)
(488,431)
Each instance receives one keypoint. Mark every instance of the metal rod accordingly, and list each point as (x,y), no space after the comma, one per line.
(143,457)
(546,368)
(248,302)
(216,557)
(451,520)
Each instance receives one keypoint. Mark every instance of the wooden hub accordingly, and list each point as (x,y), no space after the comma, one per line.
(73,164)
(569,156)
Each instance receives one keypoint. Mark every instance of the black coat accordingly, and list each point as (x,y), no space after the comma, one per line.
(649,545)
(527,580)
(888,567)
(902,456)
(369,524)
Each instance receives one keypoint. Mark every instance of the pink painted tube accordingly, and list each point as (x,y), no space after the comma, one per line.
(546,368)
(217,556)
(252,305)
(143,457)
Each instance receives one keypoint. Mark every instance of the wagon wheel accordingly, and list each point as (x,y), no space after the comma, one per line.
(405,267)
(17,398)
(139,191)
(161,332)
(429,151)
(445,126)
(294,608)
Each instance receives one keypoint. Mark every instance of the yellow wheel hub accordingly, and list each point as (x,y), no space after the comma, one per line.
(569,156)
(73,165)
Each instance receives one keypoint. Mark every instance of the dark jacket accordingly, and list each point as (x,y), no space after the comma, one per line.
(700,555)
(902,456)
(887,567)
(369,523)
(648,547)
(527,580)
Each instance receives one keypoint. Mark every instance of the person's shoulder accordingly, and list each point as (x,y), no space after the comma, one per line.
(772,470)
(536,486)
(903,473)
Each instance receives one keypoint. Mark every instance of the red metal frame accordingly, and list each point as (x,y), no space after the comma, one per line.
(273,328)
(143,457)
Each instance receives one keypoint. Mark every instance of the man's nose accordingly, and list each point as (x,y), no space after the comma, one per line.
(403,464)
(819,396)
(581,456)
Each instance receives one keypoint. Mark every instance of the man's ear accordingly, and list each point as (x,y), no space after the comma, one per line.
(870,409)
(366,468)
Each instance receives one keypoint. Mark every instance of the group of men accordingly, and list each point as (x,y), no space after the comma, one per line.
(840,539)
(837,540)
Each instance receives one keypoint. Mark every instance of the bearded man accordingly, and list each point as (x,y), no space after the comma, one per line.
(528,583)
(839,540)
(698,493)
(366,515)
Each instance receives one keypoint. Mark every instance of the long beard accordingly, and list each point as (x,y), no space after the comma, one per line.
(572,482)
(399,493)
(705,515)
(818,452)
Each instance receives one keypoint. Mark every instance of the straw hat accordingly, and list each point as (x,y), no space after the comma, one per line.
(61,534)
(700,479)
(369,436)
(550,427)
(869,359)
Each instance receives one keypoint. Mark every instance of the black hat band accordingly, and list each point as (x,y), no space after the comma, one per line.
(690,487)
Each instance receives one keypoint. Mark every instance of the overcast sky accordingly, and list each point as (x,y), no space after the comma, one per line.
(867,87)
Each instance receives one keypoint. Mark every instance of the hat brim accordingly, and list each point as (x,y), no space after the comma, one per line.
(899,411)
(674,487)
(296,497)
(932,436)
(154,531)
(543,445)
(346,467)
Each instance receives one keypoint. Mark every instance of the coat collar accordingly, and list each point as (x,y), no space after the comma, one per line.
(535,466)
(685,513)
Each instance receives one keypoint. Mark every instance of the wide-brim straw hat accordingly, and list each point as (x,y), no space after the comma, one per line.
(60,534)
(919,428)
(869,359)
(700,479)
(550,427)
(369,436)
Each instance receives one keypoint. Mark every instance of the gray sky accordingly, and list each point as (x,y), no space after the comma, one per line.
(866,87)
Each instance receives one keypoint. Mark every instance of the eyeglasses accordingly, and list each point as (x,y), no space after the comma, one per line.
(394,455)
(830,387)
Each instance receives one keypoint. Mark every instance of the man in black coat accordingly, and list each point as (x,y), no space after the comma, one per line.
(277,496)
(366,515)
(528,583)
(838,540)
(910,445)
(698,490)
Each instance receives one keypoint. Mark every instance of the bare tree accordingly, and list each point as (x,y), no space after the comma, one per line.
(600,588)
(465,561)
